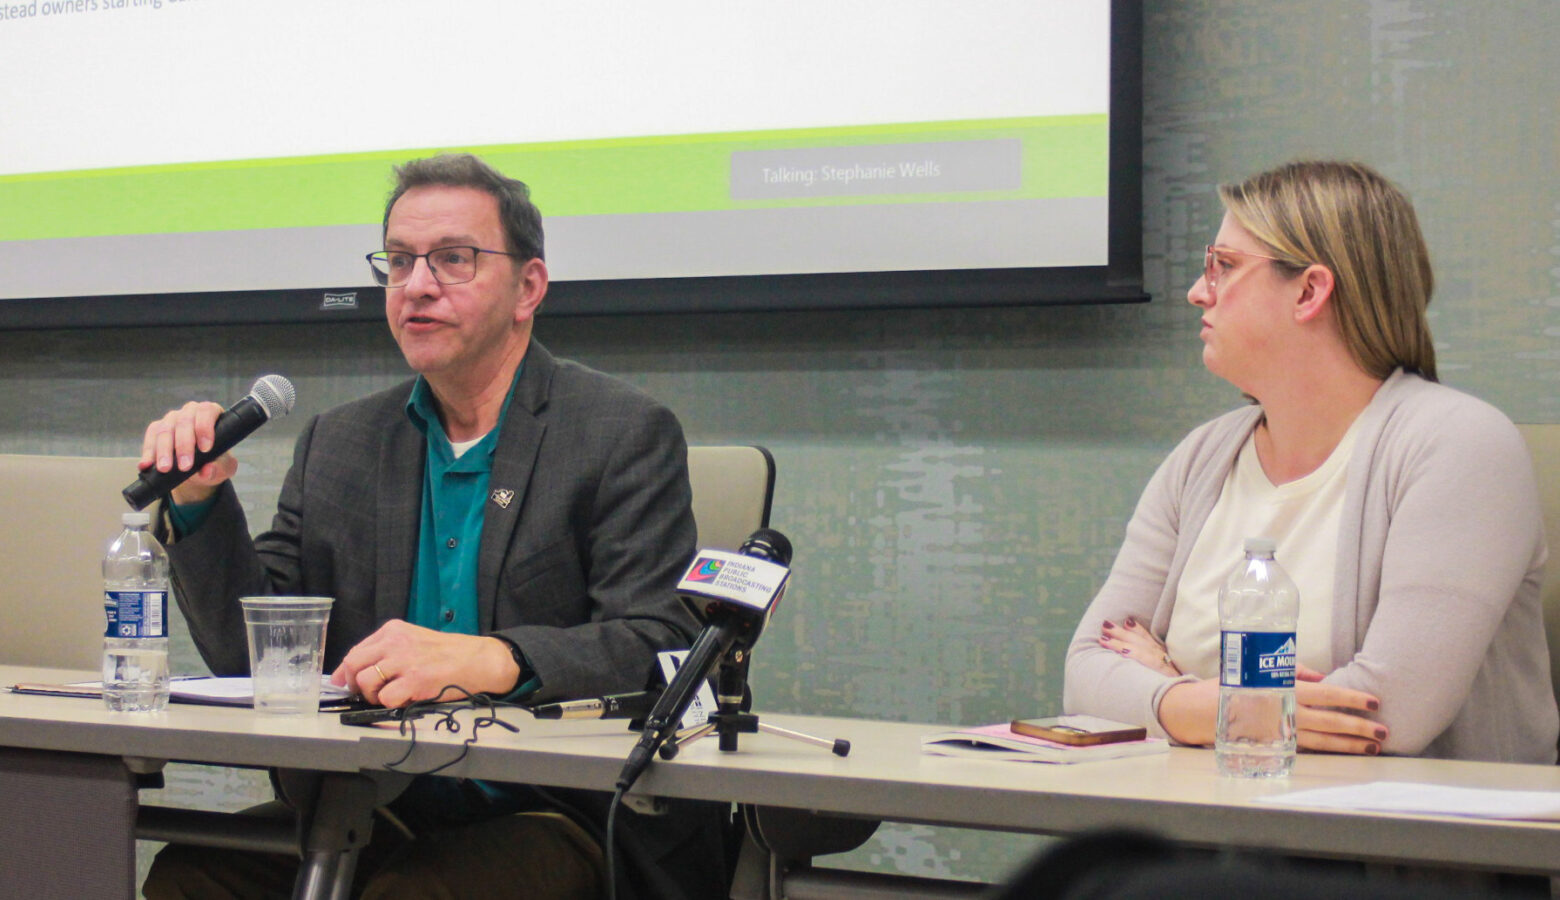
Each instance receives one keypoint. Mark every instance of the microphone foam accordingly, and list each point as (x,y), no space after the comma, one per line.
(275,395)
(767,543)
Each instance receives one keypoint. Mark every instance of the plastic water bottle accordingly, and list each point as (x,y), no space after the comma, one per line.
(135,601)
(1258,605)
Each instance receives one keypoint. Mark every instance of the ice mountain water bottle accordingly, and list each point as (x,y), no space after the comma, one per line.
(135,602)
(1258,605)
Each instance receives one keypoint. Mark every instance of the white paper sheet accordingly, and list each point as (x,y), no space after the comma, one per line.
(1428,799)
(240,690)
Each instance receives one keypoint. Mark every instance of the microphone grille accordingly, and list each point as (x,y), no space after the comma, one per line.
(275,395)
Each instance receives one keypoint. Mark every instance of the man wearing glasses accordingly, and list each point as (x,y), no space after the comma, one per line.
(507,522)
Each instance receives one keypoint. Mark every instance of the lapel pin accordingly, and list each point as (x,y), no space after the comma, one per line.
(503,497)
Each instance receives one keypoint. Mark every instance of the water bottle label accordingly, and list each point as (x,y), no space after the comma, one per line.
(1258,659)
(136,614)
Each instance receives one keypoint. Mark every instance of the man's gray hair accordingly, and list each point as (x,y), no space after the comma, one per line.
(521,219)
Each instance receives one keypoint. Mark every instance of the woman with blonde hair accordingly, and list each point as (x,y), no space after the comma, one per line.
(1405,511)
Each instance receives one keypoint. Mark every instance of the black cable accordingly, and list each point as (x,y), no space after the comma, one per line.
(631,854)
(446,711)
(611,840)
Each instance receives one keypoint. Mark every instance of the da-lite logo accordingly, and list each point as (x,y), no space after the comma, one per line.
(705,569)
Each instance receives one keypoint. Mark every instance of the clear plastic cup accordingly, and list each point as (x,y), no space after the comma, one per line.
(286,651)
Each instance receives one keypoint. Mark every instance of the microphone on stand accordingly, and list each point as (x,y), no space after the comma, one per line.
(736,592)
(270,397)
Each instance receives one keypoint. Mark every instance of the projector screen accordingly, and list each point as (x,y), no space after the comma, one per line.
(226,160)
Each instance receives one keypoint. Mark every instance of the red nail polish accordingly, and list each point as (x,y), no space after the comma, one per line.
(1372,749)
(1131,621)
(1109,624)
(1373,705)
(1381,734)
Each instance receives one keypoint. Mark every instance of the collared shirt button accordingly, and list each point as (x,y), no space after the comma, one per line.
(449,615)
(451,543)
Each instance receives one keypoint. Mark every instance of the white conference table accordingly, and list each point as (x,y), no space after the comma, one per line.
(68,761)
(1177,794)
(886,776)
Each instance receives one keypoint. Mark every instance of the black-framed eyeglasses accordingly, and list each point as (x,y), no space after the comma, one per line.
(449,265)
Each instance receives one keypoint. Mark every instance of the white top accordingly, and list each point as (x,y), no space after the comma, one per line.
(1302,518)
(459,448)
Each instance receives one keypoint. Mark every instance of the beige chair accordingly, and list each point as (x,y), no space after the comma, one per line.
(732,490)
(1544,443)
(58,514)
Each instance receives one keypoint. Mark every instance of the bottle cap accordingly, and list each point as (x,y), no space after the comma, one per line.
(135,518)
(1260,545)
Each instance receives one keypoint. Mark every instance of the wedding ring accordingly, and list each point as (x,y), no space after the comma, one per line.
(382,676)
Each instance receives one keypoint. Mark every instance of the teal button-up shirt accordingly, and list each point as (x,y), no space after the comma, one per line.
(444,577)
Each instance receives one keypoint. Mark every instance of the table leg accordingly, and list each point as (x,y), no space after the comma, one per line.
(337,824)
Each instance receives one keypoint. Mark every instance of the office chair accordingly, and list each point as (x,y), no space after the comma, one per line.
(733,487)
(1543,443)
(61,513)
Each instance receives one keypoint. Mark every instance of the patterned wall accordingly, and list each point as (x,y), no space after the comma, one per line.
(956,483)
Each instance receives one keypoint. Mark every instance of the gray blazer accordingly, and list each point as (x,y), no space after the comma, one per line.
(578,568)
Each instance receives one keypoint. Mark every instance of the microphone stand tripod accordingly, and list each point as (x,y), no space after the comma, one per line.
(730,720)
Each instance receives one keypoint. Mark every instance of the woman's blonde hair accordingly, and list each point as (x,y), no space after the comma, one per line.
(1347,217)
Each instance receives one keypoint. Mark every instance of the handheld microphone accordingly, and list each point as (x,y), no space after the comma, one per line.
(610,706)
(737,593)
(270,397)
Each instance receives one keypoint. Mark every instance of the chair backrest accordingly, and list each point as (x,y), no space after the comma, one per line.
(1544,444)
(58,514)
(732,490)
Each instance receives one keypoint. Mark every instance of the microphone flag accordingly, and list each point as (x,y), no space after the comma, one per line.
(719,576)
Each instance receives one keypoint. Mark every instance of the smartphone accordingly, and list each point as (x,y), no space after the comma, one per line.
(1079,731)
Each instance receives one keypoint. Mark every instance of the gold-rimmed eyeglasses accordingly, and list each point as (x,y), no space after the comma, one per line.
(1211,262)
(449,265)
